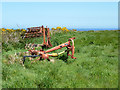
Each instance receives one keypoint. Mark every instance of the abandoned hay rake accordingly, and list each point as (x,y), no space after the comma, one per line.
(37,32)
(45,54)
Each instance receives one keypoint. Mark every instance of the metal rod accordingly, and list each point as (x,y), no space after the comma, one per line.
(29,56)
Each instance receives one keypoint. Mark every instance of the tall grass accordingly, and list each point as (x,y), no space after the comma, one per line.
(96,65)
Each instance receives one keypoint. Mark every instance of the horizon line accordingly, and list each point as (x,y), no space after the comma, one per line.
(75,28)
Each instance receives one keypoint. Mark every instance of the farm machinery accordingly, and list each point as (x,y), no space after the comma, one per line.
(37,32)
(45,54)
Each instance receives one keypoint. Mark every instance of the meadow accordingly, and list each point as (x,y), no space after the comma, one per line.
(96,65)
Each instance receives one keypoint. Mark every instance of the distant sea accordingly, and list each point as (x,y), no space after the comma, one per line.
(95,29)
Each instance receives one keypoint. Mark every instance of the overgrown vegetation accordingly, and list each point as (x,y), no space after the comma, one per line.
(96,65)
(12,39)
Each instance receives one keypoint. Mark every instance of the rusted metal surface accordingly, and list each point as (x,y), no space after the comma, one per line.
(37,32)
(34,32)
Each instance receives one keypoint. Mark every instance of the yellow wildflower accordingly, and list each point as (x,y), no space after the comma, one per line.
(53,28)
(3,29)
(64,28)
(23,30)
(7,29)
(58,28)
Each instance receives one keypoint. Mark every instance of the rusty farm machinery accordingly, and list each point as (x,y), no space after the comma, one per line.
(38,32)
(45,54)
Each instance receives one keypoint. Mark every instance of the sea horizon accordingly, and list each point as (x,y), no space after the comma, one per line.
(78,29)
(95,29)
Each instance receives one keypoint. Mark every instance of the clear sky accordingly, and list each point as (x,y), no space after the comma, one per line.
(97,15)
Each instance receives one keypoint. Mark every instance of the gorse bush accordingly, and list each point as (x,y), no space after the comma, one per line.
(64,29)
(96,65)
(12,39)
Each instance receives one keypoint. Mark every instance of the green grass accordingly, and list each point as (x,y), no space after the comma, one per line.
(96,65)
(0,59)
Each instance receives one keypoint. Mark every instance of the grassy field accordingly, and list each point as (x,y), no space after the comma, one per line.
(96,65)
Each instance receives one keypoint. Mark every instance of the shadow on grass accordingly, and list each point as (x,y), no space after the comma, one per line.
(65,58)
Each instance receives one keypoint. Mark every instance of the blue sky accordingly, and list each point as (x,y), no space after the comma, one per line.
(82,15)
